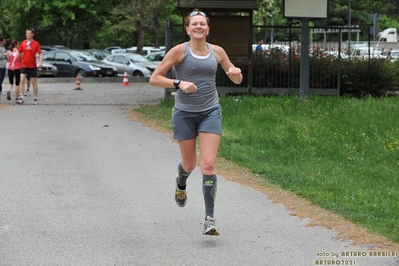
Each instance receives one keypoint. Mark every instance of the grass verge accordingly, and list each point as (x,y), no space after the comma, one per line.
(336,153)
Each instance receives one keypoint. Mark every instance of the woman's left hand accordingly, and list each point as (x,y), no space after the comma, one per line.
(234,74)
(233,71)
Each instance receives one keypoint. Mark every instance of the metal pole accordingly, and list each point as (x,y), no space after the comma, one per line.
(339,67)
(168,45)
(168,35)
(272,31)
(374,28)
(349,26)
(304,72)
(271,15)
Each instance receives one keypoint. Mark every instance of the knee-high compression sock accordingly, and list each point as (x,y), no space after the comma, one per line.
(209,188)
(182,177)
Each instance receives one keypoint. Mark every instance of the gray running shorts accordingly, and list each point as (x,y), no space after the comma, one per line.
(187,125)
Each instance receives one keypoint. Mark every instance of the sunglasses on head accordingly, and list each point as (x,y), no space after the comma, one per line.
(192,14)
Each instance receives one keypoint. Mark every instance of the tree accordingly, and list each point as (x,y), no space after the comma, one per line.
(68,22)
(267,8)
(143,17)
(83,23)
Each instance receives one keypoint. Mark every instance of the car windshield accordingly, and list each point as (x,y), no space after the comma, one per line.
(83,56)
(137,58)
(157,56)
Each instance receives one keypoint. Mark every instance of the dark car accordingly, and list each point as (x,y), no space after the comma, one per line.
(73,62)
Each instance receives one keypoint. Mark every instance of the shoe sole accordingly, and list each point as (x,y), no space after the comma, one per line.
(177,200)
(212,232)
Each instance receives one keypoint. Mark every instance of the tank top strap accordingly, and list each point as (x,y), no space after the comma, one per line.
(186,49)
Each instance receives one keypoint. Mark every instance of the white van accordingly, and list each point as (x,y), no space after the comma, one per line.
(388,35)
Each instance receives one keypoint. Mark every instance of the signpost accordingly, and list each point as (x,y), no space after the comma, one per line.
(305,10)
(374,29)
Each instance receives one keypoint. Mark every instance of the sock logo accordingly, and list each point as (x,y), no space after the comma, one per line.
(208,183)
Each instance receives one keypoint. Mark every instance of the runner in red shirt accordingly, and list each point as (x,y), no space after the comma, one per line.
(28,50)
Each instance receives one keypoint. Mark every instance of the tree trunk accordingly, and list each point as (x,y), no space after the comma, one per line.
(265,30)
(156,29)
(140,28)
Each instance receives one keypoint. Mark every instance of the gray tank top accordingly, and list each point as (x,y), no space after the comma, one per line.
(201,70)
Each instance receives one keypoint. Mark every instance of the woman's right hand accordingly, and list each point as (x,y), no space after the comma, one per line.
(187,87)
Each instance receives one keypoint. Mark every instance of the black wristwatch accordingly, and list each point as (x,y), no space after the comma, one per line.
(176,82)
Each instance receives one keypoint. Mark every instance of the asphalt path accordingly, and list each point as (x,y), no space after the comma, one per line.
(81,184)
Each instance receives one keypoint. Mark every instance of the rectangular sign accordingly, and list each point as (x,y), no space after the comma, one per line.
(231,4)
(313,9)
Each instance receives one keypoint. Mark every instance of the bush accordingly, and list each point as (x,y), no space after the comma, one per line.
(277,69)
(375,77)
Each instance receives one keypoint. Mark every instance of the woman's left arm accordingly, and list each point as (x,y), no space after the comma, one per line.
(234,73)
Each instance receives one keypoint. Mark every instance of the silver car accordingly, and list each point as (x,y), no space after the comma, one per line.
(393,55)
(47,70)
(134,64)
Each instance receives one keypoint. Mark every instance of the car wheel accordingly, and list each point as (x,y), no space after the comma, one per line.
(81,73)
(137,73)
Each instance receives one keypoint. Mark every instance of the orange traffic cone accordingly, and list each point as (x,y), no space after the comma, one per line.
(125,79)
(77,83)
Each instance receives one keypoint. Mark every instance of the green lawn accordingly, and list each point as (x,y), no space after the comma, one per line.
(340,153)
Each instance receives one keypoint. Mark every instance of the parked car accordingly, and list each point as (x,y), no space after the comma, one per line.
(141,60)
(133,64)
(46,48)
(47,70)
(366,52)
(72,62)
(393,55)
(98,54)
(156,56)
(109,49)
(146,50)
(335,54)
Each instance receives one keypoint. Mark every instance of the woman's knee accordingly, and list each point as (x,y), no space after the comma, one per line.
(189,166)
(189,163)
(207,164)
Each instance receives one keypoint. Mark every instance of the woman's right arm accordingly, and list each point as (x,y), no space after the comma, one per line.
(172,58)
